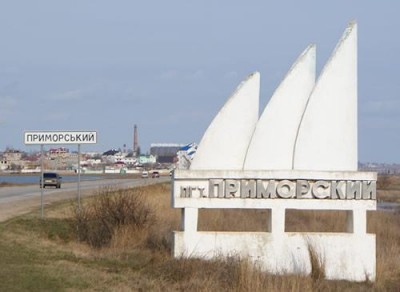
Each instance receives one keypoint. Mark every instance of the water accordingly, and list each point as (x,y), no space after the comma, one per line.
(389,206)
(32,179)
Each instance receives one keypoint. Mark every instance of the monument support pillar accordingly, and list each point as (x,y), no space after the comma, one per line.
(189,219)
(276,222)
(357,221)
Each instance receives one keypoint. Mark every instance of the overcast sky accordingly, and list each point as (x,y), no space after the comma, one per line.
(168,66)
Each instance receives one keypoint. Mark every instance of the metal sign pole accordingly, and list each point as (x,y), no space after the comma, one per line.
(41,180)
(79,177)
(61,137)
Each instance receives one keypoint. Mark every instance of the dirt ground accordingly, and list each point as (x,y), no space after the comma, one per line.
(27,205)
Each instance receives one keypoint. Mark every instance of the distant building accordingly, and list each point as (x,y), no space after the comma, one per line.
(380,168)
(111,152)
(147,159)
(3,164)
(12,155)
(116,156)
(185,156)
(60,152)
(12,159)
(165,152)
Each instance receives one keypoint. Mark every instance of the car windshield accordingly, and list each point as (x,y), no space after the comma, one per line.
(50,175)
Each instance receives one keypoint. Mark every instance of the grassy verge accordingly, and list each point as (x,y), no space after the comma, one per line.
(389,188)
(7,184)
(47,255)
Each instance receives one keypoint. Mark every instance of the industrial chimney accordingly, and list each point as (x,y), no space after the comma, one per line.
(135,141)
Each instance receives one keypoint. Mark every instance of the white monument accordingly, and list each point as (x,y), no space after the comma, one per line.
(300,154)
(281,118)
(221,148)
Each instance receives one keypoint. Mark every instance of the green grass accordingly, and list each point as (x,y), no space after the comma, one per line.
(52,228)
(24,267)
(38,259)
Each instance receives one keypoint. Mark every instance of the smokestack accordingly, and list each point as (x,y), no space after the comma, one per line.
(135,141)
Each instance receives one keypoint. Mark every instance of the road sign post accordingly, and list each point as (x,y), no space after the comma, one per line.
(60,137)
(41,181)
(79,177)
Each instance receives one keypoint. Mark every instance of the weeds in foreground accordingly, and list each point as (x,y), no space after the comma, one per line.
(138,259)
(110,211)
(317,263)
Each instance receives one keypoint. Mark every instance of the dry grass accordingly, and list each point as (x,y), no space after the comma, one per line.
(386,226)
(232,220)
(317,263)
(139,259)
(109,213)
(7,184)
(315,221)
(388,188)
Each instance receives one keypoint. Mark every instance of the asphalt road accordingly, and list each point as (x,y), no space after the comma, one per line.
(17,193)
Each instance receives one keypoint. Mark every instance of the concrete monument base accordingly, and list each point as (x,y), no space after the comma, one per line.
(343,256)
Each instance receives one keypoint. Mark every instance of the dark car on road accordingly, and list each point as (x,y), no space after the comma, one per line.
(155,174)
(51,179)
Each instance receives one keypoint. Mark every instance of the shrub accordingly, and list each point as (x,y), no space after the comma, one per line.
(110,209)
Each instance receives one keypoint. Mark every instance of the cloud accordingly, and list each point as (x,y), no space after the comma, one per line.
(56,117)
(8,102)
(186,116)
(231,75)
(87,92)
(169,75)
(130,95)
(380,114)
(381,107)
(196,75)
(380,123)
(9,70)
(7,106)
(175,74)
(71,95)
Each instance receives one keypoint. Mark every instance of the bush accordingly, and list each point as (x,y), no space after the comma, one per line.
(109,210)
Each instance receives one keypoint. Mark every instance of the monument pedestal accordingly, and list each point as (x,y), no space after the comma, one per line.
(342,256)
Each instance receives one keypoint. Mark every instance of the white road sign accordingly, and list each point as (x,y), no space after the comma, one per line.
(60,137)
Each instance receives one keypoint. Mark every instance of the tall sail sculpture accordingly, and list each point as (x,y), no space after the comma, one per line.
(220,147)
(301,154)
(305,125)
(327,135)
(273,141)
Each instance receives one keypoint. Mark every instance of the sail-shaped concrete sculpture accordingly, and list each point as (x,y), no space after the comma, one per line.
(327,136)
(224,144)
(302,154)
(272,144)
